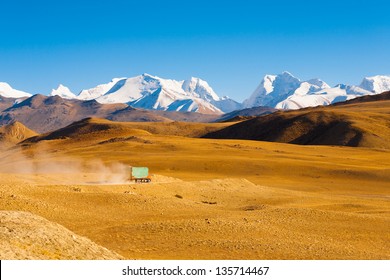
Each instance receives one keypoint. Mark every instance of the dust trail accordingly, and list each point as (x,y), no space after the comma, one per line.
(113,173)
(46,166)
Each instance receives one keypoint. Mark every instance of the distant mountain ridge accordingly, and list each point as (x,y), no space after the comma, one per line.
(283,91)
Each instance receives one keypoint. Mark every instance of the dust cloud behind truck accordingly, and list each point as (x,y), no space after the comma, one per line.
(139,174)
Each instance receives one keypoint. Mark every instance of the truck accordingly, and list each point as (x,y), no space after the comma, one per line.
(140,174)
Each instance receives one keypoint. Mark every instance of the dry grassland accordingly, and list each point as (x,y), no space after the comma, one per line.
(209,199)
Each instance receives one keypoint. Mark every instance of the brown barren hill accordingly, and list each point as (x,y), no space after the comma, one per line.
(27,236)
(89,128)
(362,123)
(15,132)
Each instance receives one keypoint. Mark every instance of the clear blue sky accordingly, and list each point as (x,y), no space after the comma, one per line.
(231,44)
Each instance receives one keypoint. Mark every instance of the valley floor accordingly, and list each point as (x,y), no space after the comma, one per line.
(209,199)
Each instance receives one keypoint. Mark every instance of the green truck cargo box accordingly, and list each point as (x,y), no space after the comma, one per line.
(139,172)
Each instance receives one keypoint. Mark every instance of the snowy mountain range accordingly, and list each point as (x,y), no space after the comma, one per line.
(283,91)
(154,93)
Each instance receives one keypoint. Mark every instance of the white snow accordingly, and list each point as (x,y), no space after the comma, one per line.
(63,92)
(7,91)
(376,84)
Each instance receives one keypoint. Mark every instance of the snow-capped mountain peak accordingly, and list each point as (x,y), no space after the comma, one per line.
(63,92)
(272,90)
(200,88)
(376,84)
(7,91)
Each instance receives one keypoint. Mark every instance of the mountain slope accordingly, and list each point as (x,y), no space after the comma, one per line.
(363,124)
(14,133)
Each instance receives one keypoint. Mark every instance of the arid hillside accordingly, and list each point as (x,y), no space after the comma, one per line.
(14,133)
(30,237)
